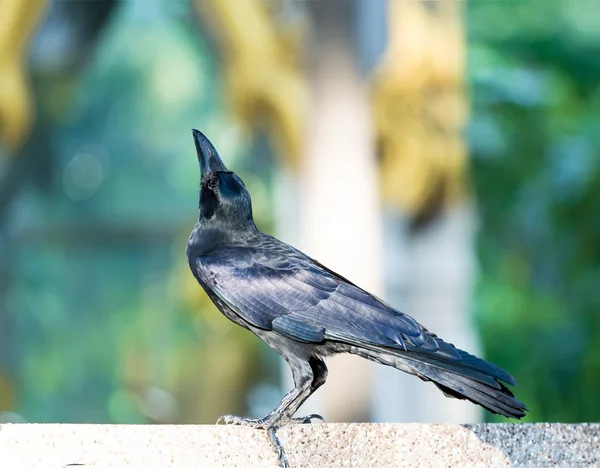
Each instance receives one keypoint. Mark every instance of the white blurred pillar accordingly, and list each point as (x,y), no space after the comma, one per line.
(429,276)
(338,193)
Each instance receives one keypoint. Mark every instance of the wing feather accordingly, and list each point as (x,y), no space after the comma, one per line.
(263,288)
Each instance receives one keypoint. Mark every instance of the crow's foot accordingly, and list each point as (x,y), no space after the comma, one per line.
(271,424)
(272,433)
(267,422)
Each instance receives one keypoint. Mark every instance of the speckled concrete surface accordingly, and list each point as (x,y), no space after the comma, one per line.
(318,445)
(547,445)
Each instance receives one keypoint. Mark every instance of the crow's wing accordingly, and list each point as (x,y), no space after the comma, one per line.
(273,286)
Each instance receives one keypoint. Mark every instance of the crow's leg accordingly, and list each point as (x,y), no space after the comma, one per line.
(308,376)
(319,371)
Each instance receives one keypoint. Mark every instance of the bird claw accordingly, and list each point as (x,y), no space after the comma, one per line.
(233,420)
(308,419)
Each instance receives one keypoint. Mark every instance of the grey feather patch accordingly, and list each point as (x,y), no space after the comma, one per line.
(298,330)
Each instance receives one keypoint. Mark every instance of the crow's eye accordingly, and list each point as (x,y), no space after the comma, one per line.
(212,182)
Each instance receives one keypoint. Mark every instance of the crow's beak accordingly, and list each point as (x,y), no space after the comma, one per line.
(207,155)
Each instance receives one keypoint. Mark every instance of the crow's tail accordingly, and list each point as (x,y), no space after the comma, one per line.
(472,378)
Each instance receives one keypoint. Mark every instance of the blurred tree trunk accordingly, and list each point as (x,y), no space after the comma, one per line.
(339,202)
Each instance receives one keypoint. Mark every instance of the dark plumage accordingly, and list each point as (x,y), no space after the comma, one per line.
(306,312)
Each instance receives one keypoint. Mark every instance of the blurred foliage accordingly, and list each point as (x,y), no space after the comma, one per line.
(419,88)
(535,85)
(104,321)
(265,82)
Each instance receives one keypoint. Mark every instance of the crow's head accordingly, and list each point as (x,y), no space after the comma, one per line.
(223,195)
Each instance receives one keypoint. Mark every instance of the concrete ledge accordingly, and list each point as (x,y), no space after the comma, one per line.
(318,445)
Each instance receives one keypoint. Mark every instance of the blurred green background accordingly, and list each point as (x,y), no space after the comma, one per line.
(536,170)
(100,319)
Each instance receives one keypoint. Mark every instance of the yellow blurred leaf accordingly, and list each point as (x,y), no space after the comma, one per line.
(19,19)
(420,107)
(7,396)
(266,84)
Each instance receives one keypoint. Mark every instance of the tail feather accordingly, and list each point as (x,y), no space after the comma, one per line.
(470,379)
(459,385)
(496,401)
(475,374)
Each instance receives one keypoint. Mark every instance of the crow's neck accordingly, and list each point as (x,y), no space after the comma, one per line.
(210,233)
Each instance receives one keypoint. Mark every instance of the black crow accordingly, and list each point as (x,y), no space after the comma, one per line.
(306,312)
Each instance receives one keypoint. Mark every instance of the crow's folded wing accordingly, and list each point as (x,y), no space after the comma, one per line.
(278,288)
(297,298)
